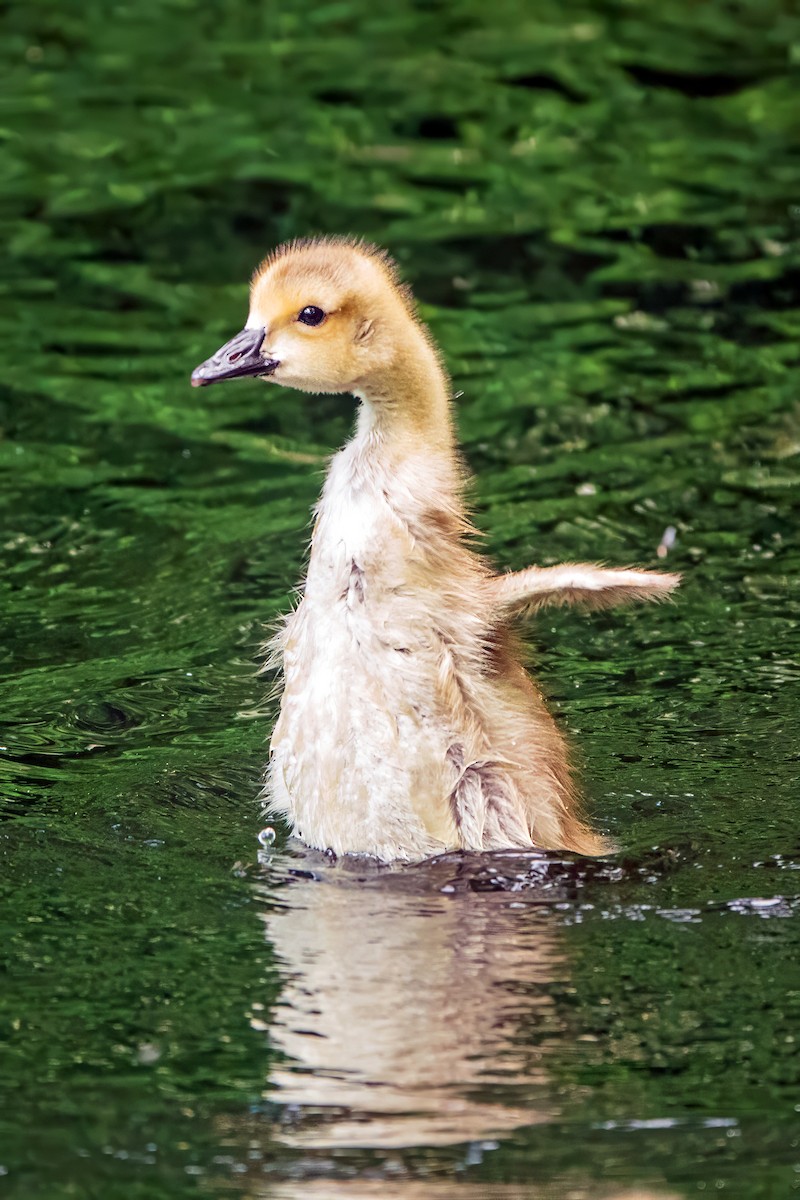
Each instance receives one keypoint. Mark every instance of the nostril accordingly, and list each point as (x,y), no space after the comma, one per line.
(237,354)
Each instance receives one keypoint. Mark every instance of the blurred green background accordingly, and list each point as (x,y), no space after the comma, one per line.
(598,206)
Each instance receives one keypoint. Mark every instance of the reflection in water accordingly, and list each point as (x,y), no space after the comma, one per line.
(402,1006)
(417,1013)
(427,1189)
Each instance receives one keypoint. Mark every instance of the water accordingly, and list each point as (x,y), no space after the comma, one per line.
(598,208)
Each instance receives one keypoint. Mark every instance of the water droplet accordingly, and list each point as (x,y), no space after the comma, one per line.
(267,836)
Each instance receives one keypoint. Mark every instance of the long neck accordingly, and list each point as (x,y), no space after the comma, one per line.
(406,406)
(399,471)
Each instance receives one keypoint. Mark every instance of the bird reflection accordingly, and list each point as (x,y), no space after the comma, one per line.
(401,1009)
(417,1016)
(426,1189)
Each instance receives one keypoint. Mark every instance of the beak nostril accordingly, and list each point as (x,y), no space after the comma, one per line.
(240,356)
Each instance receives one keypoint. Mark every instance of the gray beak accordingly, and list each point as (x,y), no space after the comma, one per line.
(240,356)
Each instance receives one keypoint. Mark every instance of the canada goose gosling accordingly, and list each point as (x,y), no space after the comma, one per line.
(408,725)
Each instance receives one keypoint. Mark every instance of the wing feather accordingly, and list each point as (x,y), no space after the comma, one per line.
(585,584)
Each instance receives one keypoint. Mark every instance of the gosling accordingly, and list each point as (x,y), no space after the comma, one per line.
(408,726)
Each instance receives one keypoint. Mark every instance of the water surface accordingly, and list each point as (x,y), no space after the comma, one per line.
(599,208)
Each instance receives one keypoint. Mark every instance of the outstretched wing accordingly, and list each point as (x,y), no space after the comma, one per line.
(583,584)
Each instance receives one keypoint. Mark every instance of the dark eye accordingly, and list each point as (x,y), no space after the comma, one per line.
(311,315)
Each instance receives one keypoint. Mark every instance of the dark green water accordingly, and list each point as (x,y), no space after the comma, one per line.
(599,206)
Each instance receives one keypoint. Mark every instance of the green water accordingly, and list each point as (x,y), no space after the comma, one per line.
(599,207)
